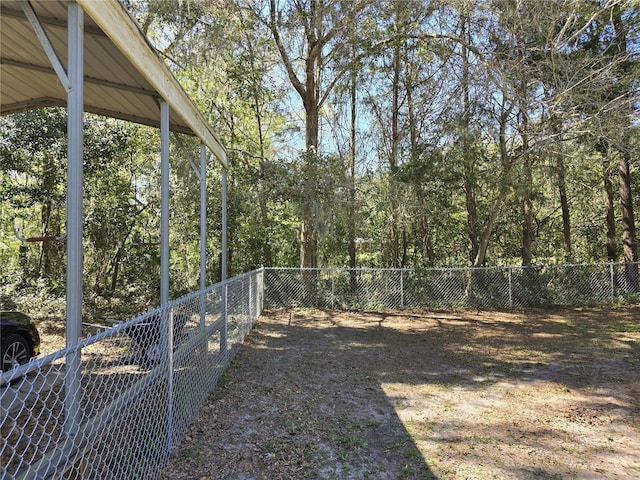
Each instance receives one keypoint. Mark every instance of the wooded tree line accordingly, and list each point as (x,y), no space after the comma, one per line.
(396,133)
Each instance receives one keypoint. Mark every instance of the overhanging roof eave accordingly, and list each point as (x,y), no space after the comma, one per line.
(124,77)
(116,23)
(105,112)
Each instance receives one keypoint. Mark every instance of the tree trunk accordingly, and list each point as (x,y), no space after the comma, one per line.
(425,242)
(562,190)
(527,180)
(262,200)
(469,183)
(393,160)
(319,27)
(507,164)
(629,245)
(564,205)
(50,225)
(116,267)
(351,200)
(310,95)
(308,234)
(46,252)
(483,244)
(405,245)
(612,244)
(527,215)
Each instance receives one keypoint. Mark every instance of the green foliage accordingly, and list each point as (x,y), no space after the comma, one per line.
(488,99)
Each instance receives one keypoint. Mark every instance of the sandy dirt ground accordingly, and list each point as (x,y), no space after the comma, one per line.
(446,395)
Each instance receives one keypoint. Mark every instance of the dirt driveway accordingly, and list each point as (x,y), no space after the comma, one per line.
(446,395)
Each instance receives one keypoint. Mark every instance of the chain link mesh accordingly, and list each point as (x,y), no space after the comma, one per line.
(123,413)
(491,287)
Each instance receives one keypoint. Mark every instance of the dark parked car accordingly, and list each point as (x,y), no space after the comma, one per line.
(20,340)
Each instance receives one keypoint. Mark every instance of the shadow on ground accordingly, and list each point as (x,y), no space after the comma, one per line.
(316,394)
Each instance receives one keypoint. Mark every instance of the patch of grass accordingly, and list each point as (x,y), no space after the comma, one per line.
(414,454)
(272,446)
(541,474)
(396,444)
(190,454)
(355,441)
(373,424)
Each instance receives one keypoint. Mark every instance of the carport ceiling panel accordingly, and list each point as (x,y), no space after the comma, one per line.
(27,73)
(112,86)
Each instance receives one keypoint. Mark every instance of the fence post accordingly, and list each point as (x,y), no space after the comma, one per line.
(510,288)
(333,290)
(171,443)
(72,379)
(401,289)
(223,330)
(612,280)
(261,290)
(250,298)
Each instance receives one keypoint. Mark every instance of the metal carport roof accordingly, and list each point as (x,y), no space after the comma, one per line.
(123,75)
(90,55)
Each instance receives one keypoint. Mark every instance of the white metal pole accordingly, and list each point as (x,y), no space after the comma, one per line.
(164,203)
(171,441)
(333,290)
(203,230)
(223,265)
(261,289)
(167,316)
(612,282)
(75,108)
(510,289)
(225,316)
(250,299)
(223,261)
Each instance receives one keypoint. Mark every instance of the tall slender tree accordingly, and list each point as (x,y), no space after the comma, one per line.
(317,29)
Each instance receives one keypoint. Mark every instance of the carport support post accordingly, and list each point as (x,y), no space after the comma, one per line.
(75,108)
(223,264)
(223,259)
(164,203)
(203,231)
(167,315)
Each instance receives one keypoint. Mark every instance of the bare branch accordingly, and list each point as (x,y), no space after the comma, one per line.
(273,26)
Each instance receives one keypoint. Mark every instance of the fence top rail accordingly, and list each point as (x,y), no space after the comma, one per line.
(210,288)
(448,269)
(109,331)
(338,269)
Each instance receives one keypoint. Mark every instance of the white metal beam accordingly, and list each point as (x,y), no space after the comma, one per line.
(164,203)
(223,259)
(49,50)
(74,214)
(203,230)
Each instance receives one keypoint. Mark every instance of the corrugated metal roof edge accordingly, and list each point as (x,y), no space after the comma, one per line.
(112,17)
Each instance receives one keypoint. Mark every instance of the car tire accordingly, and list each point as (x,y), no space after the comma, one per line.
(15,351)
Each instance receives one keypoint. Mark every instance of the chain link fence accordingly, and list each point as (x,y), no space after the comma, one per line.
(121,412)
(442,288)
(116,404)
